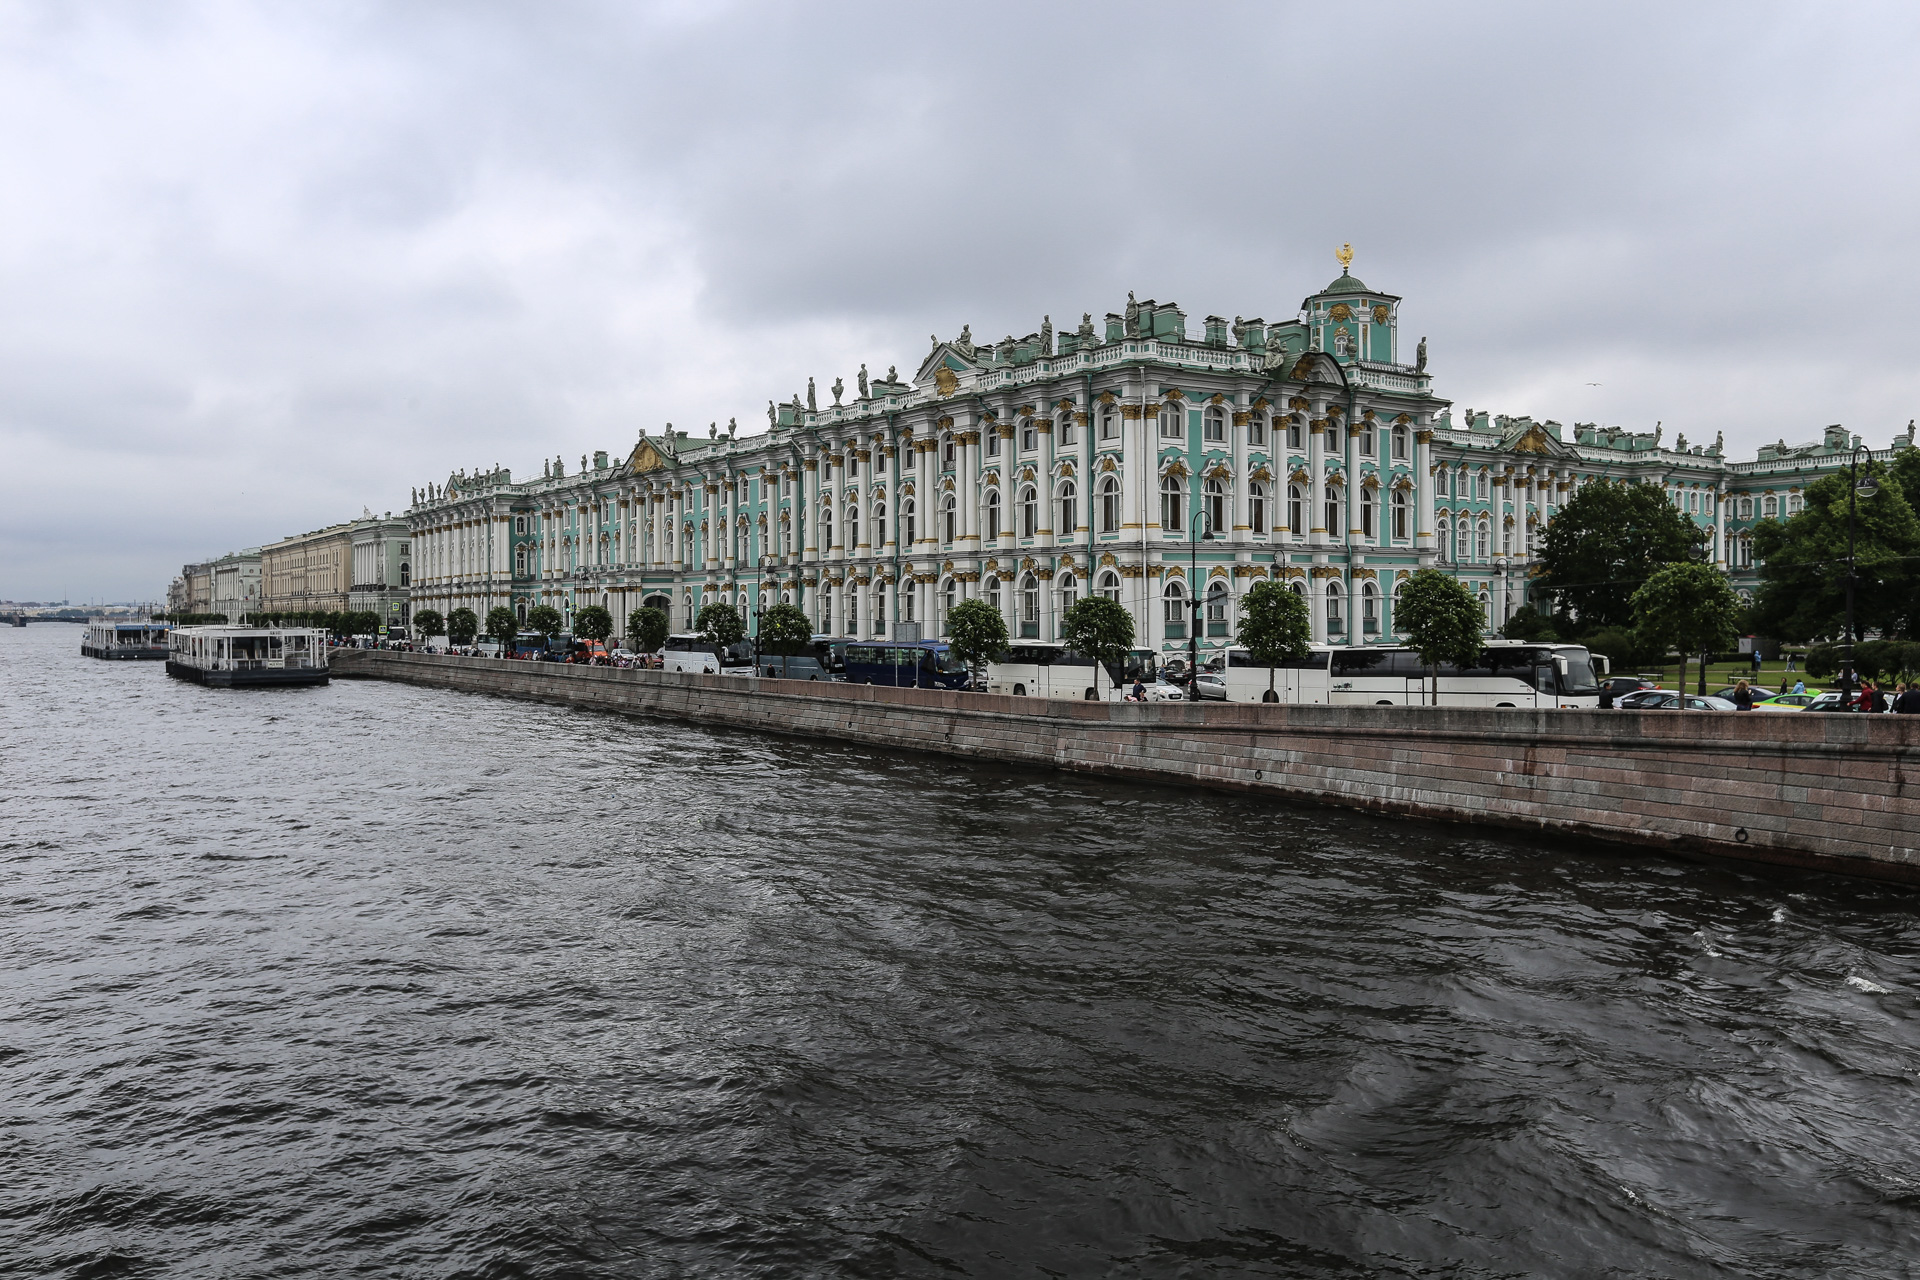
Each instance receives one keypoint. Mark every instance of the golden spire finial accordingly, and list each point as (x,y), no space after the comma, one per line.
(1344,256)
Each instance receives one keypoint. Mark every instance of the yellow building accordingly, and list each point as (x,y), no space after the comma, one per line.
(309,572)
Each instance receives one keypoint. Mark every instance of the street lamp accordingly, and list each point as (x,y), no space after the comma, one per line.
(1857,488)
(1195,537)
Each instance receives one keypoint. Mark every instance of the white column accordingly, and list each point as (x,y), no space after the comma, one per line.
(1720,528)
(1316,491)
(1351,491)
(1423,480)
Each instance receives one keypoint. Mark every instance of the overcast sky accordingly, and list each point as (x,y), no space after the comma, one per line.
(266,265)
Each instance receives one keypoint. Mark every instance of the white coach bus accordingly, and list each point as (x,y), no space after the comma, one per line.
(1510,673)
(1048,669)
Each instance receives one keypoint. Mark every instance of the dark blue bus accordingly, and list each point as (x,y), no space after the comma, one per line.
(923,664)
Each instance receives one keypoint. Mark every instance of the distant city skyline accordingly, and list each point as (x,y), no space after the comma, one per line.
(269,267)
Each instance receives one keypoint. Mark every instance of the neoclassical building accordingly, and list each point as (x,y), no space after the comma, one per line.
(1132,458)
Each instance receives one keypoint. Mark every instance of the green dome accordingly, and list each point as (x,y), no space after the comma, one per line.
(1346,284)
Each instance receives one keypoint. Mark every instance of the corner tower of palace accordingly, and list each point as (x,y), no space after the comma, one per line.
(1031,471)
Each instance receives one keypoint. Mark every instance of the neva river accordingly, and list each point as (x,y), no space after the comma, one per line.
(375,980)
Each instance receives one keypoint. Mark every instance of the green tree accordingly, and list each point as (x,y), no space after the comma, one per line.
(592,623)
(646,630)
(977,634)
(1274,627)
(786,630)
(1803,562)
(1442,621)
(462,626)
(429,624)
(721,626)
(502,625)
(1690,608)
(1528,623)
(1608,539)
(1098,628)
(545,619)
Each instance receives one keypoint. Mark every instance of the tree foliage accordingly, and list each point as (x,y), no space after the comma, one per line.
(721,626)
(1528,623)
(1688,608)
(1803,561)
(429,623)
(592,623)
(646,629)
(462,626)
(1274,626)
(977,634)
(502,625)
(785,629)
(545,619)
(1605,542)
(1441,618)
(1098,628)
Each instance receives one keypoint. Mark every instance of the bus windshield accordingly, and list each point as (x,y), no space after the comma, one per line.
(1578,678)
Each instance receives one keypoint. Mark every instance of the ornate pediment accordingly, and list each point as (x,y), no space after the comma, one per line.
(646,457)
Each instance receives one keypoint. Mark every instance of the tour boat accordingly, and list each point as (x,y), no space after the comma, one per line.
(106,639)
(245,657)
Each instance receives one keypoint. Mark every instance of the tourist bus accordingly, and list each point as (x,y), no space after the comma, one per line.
(1510,673)
(911,664)
(691,651)
(1048,669)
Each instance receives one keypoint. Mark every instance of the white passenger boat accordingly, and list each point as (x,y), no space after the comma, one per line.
(234,657)
(106,639)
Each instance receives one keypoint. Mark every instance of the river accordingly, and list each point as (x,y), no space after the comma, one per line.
(377,980)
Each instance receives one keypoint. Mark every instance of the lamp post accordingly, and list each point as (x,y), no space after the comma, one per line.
(1856,490)
(1195,536)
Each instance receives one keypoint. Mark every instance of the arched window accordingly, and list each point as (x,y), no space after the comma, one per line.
(406,570)
(1794,503)
(826,527)
(949,517)
(1029,607)
(993,514)
(1257,431)
(1369,504)
(1745,507)
(1217,507)
(1400,444)
(1066,430)
(1486,608)
(1173,609)
(993,441)
(1217,600)
(1333,510)
(1029,436)
(879,627)
(1171,424)
(911,530)
(1296,511)
(880,521)
(1369,608)
(1069,587)
(1215,425)
(1110,504)
(851,624)
(1029,512)
(993,591)
(1402,507)
(1446,540)
(1173,506)
(1336,619)
(947,451)
(1109,585)
(1297,587)
(1069,509)
(949,596)
(1480,486)
(1482,540)
(853,526)
(907,594)
(1257,507)
(1109,422)
(1368,435)
(1296,434)
(519,564)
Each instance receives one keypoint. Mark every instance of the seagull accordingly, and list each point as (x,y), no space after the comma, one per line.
(1593,384)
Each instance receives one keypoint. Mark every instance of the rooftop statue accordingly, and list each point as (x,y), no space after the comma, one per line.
(893,374)
(862,380)
(1086,324)
(1046,335)
(732,427)
(583,464)
(559,467)
(1420,356)
(713,430)
(837,388)
(1720,440)
(772,414)
(812,406)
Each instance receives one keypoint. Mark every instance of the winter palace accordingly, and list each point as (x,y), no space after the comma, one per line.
(1134,458)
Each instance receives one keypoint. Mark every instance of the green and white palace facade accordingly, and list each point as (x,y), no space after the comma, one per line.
(1032,471)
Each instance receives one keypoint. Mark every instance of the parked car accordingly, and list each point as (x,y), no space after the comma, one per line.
(1210,687)
(1757,691)
(1831,700)
(1635,698)
(1667,700)
(1620,686)
(1786,702)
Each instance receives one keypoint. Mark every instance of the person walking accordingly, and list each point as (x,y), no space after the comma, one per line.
(1799,686)
(1878,702)
(1756,662)
(1790,666)
(1863,701)
(1742,696)
(1908,703)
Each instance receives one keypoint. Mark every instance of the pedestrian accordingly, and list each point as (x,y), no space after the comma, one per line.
(1908,703)
(1799,686)
(1790,665)
(1139,693)
(1606,696)
(1756,662)
(1863,701)
(1742,696)
(1878,702)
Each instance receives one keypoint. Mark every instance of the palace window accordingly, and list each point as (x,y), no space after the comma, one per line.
(519,564)
(1067,430)
(946,451)
(1401,507)
(1296,434)
(949,596)
(853,465)
(879,627)
(1745,507)
(906,518)
(1367,445)
(1170,424)
(1069,509)
(1030,608)
(1486,608)
(1296,511)
(1217,609)
(1069,593)
(1257,507)
(519,524)
(949,517)
(1216,491)
(1109,585)
(1794,503)
(1173,611)
(907,594)
(1369,608)
(1769,507)
(406,570)
(1369,502)
(1332,502)
(826,527)
(1480,486)
(1214,425)
(993,442)
(1172,504)
(851,622)
(880,521)
(1446,539)
(1110,504)
(993,514)
(1257,431)
(1029,436)
(1109,423)
(1482,541)
(1029,512)
(853,527)
(993,591)
(1400,443)
(1336,624)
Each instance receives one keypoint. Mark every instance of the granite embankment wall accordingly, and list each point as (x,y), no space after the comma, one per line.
(1836,792)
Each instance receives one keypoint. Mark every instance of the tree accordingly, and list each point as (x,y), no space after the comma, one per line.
(429,624)
(1608,539)
(502,625)
(1803,562)
(545,619)
(1442,621)
(593,623)
(1098,628)
(721,626)
(977,634)
(646,630)
(1688,607)
(786,630)
(462,626)
(1274,628)
(1528,623)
